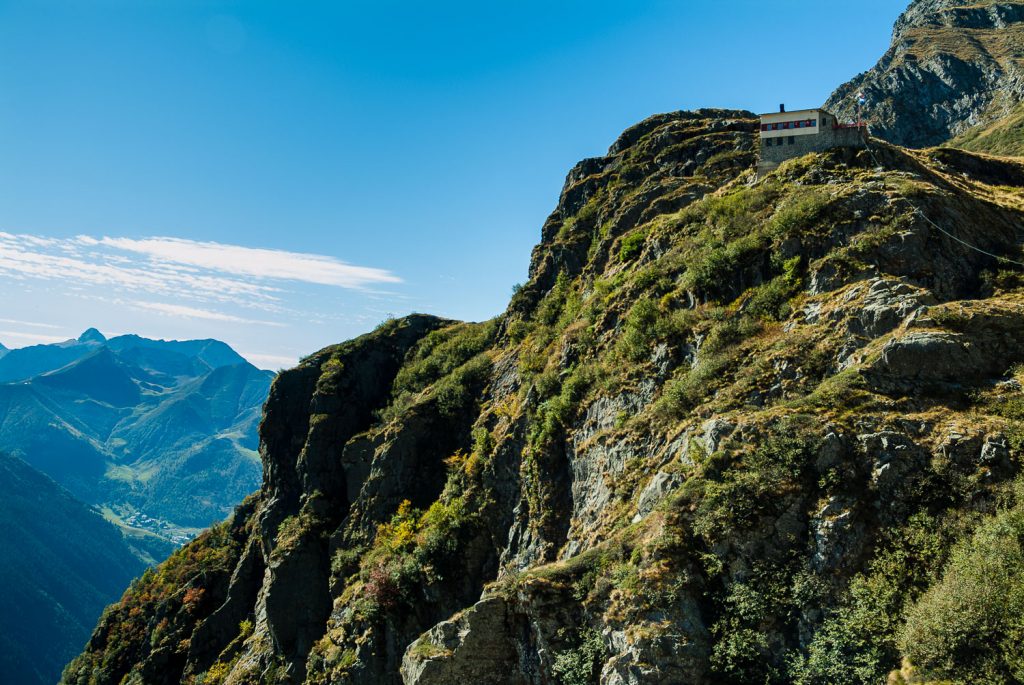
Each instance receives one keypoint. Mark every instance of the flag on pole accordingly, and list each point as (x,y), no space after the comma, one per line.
(861,100)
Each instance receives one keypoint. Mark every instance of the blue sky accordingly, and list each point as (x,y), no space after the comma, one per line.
(285,175)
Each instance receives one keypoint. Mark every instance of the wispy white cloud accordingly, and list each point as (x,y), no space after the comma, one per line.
(23,257)
(255,262)
(271,362)
(206,288)
(20,338)
(33,324)
(175,268)
(186,312)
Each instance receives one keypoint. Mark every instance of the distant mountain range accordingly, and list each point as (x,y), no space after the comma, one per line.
(157,437)
(160,434)
(952,66)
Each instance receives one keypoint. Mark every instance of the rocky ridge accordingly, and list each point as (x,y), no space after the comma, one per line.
(711,418)
(951,65)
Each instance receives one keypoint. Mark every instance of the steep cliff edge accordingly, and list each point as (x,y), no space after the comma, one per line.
(952,64)
(732,430)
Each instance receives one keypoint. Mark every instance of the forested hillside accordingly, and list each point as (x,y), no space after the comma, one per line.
(61,563)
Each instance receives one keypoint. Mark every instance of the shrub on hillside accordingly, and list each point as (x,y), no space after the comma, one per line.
(969,627)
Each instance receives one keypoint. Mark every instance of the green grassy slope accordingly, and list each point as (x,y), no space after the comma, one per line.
(1003,137)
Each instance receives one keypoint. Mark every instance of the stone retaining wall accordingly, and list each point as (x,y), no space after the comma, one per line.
(826,139)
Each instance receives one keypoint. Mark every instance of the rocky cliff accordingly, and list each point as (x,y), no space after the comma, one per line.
(732,430)
(952,65)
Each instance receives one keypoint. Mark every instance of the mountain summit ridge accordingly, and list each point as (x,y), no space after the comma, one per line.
(733,429)
(711,398)
(88,412)
(92,335)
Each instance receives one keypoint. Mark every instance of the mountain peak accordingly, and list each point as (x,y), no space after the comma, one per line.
(951,65)
(92,335)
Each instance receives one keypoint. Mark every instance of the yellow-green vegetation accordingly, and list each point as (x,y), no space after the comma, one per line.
(416,548)
(159,610)
(413,554)
(447,364)
(708,253)
(859,642)
(969,626)
(292,530)
(1004,137)
(579,665)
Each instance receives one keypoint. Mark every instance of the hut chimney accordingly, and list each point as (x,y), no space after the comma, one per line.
(782,108)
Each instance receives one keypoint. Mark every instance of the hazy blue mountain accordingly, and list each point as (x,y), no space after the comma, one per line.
(160,434)
(26,362)
(214,353)
(60,564)
(92,335)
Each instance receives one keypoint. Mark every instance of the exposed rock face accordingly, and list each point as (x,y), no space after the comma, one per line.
(952,65)
(474,646)
(984,342)
(1005,136)
(713,405)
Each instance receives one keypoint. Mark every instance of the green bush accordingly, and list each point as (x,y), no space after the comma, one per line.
(639,330)
(452,361)
(796,215)
(715,267)
(858,642)
(735,212)
(455,392)
(330,376)
(1011,407)
(580,665)
(584,219)
(556,412)
(293,529)
(720,348)
(771,300)
(631,245)
(441,352)
(969,627)
(550,308)
(689,386)
(418,548)
(751,488)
